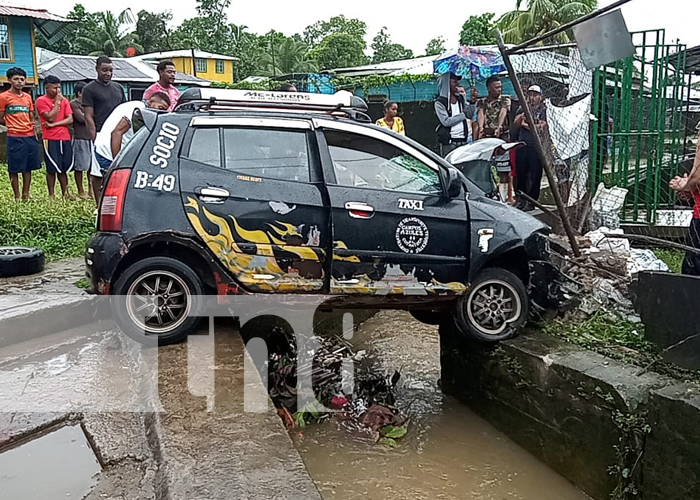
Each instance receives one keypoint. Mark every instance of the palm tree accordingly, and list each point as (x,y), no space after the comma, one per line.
(114,35)
(542,16)
(290,56)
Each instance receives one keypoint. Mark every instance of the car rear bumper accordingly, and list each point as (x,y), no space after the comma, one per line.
(102,256)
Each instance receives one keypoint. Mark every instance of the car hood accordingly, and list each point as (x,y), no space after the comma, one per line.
(521,223)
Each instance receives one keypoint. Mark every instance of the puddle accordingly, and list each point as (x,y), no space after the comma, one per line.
(449,452)
(60,464)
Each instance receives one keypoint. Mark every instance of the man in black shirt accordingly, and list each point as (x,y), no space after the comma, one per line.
(100,98)
(528,163)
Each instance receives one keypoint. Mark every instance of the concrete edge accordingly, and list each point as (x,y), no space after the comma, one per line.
(39,318)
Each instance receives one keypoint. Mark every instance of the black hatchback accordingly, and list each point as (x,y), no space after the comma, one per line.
(246,192)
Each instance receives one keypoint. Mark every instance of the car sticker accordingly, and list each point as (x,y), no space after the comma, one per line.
(410,204)
(165,143)
(484,236)
(412,235)
(248,178)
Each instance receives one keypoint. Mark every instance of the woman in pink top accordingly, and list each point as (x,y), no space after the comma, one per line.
(166,84)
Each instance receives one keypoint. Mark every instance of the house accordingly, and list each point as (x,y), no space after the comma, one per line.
(134,75)
(17,42)
(213,67)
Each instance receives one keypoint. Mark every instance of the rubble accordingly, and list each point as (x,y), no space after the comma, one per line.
(367,408)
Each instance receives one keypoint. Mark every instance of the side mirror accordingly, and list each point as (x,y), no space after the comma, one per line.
(454,183)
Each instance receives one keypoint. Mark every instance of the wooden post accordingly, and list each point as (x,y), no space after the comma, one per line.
(563,216)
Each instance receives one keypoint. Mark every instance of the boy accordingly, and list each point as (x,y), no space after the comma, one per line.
(17,114)
(82,145)
(56,115)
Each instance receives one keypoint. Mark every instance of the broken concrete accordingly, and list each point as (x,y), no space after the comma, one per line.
(596,421)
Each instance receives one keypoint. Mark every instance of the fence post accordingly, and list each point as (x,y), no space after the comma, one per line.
(564,217)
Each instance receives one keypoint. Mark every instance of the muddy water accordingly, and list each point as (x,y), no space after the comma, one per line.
(58,465)
(449,452)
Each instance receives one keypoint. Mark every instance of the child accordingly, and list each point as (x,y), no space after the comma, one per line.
(56,115)
(17,114)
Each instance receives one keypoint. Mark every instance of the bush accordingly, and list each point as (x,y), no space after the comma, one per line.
(60,228)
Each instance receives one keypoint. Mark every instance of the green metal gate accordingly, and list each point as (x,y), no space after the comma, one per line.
(638,138)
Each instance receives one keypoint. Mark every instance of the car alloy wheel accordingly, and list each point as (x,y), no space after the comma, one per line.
(492,306)
(158,301)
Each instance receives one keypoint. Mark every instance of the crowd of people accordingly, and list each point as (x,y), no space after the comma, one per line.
(100,118)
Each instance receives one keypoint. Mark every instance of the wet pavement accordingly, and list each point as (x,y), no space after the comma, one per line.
(205,446)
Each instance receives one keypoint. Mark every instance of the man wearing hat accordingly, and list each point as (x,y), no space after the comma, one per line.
(528,175)
(455,128)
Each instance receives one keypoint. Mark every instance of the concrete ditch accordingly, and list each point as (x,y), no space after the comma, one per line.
(611,430)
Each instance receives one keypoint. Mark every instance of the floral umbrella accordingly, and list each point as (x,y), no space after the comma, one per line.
(471,62)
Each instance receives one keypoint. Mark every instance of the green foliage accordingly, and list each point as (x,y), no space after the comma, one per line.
(435,47)
(542,16)
(111,38)
(339,50)
(672,257)
(478,30)
(152,30)
(82,283)
(390,433)
(366,83)
(385,50)
(209,31)
(601,330)
(315,33)
(60,228)
(285,56)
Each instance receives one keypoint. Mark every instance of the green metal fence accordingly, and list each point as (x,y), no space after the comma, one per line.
(638,139)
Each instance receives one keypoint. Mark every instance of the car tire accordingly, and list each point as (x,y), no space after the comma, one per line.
(427,317)
(495,307)
(20,261)
(156,301)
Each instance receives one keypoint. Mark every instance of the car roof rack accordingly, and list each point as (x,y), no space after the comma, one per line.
(341,103)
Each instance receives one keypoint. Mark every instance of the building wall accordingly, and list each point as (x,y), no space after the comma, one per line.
(22,42)
(184,65)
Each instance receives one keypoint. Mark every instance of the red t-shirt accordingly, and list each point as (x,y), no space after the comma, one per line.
(44,104)
(696,207)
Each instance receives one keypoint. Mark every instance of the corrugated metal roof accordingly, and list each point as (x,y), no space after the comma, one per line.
(7,10)
(71,68)
(185,53)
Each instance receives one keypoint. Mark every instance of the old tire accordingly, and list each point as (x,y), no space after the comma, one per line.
(495,307)
(20,261)
(427,317)
(158,301)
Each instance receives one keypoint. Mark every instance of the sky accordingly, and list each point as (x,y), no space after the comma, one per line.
(413,28)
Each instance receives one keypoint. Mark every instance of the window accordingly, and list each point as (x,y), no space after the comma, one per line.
(200,65)
(219,66)
(276,154)
(205,147)
(5,43)
(360,161)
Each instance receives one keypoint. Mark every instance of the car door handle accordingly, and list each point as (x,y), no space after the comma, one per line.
(359,210)
(212,194)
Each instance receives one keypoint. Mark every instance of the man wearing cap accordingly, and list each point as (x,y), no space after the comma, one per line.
(455,128)
(528,163)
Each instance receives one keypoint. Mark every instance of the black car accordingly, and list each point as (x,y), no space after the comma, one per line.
(246,192)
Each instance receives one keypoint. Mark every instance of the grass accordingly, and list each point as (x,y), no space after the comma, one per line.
(673,258)
(60,228)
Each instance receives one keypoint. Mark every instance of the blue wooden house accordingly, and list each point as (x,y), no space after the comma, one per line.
(17,42)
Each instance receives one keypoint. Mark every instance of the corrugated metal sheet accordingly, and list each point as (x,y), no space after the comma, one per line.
(6,10)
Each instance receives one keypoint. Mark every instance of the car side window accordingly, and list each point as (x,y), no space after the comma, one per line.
(205,147)
(263,152)
(360,161)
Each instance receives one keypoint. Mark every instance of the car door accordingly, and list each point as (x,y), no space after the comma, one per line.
(252,191)
(394,229)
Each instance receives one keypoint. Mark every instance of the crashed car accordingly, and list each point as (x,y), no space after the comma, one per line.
(247,192)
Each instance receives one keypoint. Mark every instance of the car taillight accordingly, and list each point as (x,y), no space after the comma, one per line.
(112,206)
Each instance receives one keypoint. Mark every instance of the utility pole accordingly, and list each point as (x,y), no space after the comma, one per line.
(272,53)
(194,65)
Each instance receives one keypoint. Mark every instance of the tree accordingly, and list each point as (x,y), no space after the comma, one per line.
(478,30)
(542,16)
(113,36)
(286,56)
(152,30)
(84,28)
(339,50)
(315,33)
(385,50)
(208,31)
(435,47)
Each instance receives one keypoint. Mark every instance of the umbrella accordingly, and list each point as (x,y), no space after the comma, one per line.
(475,63)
